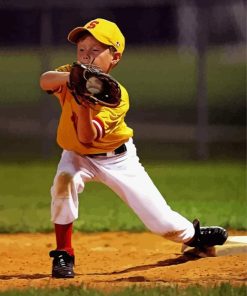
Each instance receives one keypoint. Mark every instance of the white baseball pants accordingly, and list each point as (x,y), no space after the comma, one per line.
(125,175)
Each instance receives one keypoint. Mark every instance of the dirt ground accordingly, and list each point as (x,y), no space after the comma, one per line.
(114,260)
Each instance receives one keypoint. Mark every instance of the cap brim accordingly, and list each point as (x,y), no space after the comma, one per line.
(74,34)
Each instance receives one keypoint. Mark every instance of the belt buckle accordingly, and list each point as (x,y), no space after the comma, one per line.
(109,154)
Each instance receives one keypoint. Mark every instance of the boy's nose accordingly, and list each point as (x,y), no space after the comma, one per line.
(86,57)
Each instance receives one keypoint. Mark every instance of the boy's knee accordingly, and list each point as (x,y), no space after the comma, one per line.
(62,185)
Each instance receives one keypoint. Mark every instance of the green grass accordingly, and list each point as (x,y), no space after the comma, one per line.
(222,290)
(147,72)
(215,192)
(20,83)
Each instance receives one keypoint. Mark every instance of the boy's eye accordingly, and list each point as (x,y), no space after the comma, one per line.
(94,49)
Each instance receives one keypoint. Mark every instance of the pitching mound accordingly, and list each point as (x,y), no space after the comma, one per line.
(115,260)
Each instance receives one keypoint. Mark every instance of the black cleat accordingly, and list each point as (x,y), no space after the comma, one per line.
(62,265)
(207,236)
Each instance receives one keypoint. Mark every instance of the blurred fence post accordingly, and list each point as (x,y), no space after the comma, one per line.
(201,87)
(45,101)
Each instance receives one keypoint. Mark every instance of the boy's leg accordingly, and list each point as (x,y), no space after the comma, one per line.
(71,175)
(64,237)
(126,176)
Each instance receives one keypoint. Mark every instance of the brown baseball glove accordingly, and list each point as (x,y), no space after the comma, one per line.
(88,84)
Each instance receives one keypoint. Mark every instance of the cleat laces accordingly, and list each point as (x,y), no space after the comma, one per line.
(61,261)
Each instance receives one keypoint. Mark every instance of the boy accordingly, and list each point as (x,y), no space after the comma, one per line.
(97,146)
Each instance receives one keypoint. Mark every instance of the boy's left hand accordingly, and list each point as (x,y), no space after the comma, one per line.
(88,83)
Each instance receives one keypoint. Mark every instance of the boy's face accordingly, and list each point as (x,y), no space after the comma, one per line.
(91,51)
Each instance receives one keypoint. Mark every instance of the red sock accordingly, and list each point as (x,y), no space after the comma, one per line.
(64,237)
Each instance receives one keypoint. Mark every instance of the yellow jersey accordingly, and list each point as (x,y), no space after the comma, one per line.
(112,130)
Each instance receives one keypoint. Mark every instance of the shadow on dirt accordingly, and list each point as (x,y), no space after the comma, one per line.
(175,261)
(24,276)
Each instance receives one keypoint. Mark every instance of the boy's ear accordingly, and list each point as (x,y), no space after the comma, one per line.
(116,58)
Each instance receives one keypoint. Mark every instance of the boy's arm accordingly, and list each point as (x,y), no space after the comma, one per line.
(52,80)
(86,131)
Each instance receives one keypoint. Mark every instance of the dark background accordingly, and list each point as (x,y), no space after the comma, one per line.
(152,24)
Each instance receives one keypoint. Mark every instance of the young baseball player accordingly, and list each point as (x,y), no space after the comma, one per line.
(97,146)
